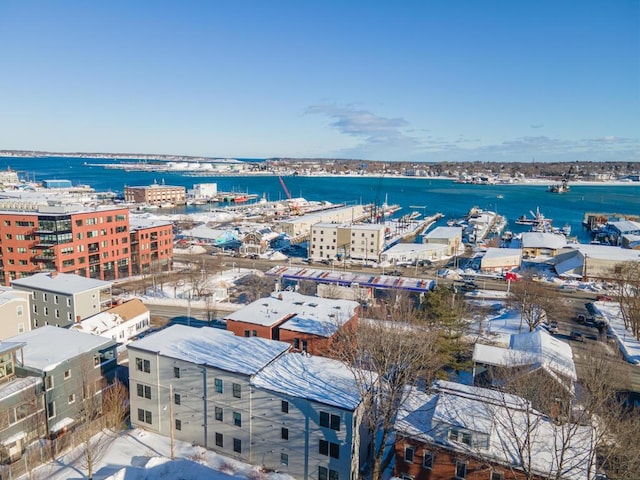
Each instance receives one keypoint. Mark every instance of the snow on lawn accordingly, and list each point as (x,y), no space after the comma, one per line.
(140,455)
(498,327)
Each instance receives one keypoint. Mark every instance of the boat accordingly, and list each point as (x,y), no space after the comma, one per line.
(537,219)
(562,187)
(500,196)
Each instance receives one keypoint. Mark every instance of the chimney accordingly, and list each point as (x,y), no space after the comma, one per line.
(78,318)
(53,273)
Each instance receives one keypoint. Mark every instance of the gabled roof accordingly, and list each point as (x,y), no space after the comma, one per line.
(46,347)
(313,378)
(543,240)
(213,347)
(503,419)
(63,283)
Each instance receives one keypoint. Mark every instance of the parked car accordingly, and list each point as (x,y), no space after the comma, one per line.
(581,318)
(604,298)
(577,336)
(553,328)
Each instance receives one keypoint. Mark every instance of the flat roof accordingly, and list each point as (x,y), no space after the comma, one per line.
(212,347)
(65,283)
(495,253)
(444,232)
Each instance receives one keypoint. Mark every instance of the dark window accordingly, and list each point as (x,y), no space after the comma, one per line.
(324,448)
(237,445)
(461,469)
(219,414)
(178,424)
(247,333)
(219,440)
(329,449)
(296,343)
(236,390)
(176,398)
(176,372)
(140,415)
(408,454)
(143,390)
(254,333)
(284,459)
(427,460)
(333,475)
(218,382)
(323,473)
(284,406)
(147,417)
(330,421)
(143,365)
(237,419)
(284,433)
(496,476)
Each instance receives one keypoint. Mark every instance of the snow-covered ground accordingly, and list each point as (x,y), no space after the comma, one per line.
(141,455)
(629,346)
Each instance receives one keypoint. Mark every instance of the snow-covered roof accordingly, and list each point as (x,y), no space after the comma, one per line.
(444,232)
(18,385)
(319,316)
(607,252)
(503,418)
(314,378)
(6,347)
(404,248)
(537,348)
(207,233)
(543,240)
(48,346)
(104,321)
(500,253)
(213,347)
(624,226)
(64,283)
(138,222)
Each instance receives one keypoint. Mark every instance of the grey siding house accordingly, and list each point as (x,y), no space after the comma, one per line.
(69,365)
(61,299)
(249,399)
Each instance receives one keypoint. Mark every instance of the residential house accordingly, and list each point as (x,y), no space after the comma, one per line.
(466,432)
(21,411)
(70,365)
(247,398)
(306,323)
(120,323)
(60,299)
(15,315)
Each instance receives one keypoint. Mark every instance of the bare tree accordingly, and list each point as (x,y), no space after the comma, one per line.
(257,286)
(115,400)
(210,307)
(399,352)
(627,278)
(535,302)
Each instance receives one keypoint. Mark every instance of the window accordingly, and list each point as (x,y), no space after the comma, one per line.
(325,474)
(254,333)
(219,440)
(71,398)
(67,374)
(459,436)
(176,398)
(96,360)
(48,383)
(219,414)
(247,333)
(408,454)
(178,424)
(143,391)
(497,476)
(147,417)
(237,445)
(176,372)
(237,419)
(329,449)
(284,459)
(51,409)
(218,382)
(284,406)
(236,390)
(461,469)
(284,433)
(427,460)
(143,365)
(330,421)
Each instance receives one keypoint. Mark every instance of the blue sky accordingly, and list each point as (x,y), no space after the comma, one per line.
(429,80)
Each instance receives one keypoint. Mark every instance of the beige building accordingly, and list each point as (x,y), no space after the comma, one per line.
(156,194)
(15,315)
(449,236)
(330,241)
(500,259)
(301,226)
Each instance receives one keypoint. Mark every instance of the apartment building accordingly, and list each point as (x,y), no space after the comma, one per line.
(249,399)
(60,299)
(91,242)
(306,323)
(151,243)
(156,194)
(15,315)
(69,365)
(329,241)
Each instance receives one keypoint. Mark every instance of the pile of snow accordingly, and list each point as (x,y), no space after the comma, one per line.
(191,250)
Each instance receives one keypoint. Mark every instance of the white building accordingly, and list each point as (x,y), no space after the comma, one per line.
(363,241)
(412,253)
(249,399)
(121,323)
(203,191)
(500,259)
(449,236)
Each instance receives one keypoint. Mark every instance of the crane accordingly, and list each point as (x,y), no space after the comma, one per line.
(284,187)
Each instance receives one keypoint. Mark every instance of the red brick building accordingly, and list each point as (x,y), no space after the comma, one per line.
(307,323)
(95,243)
